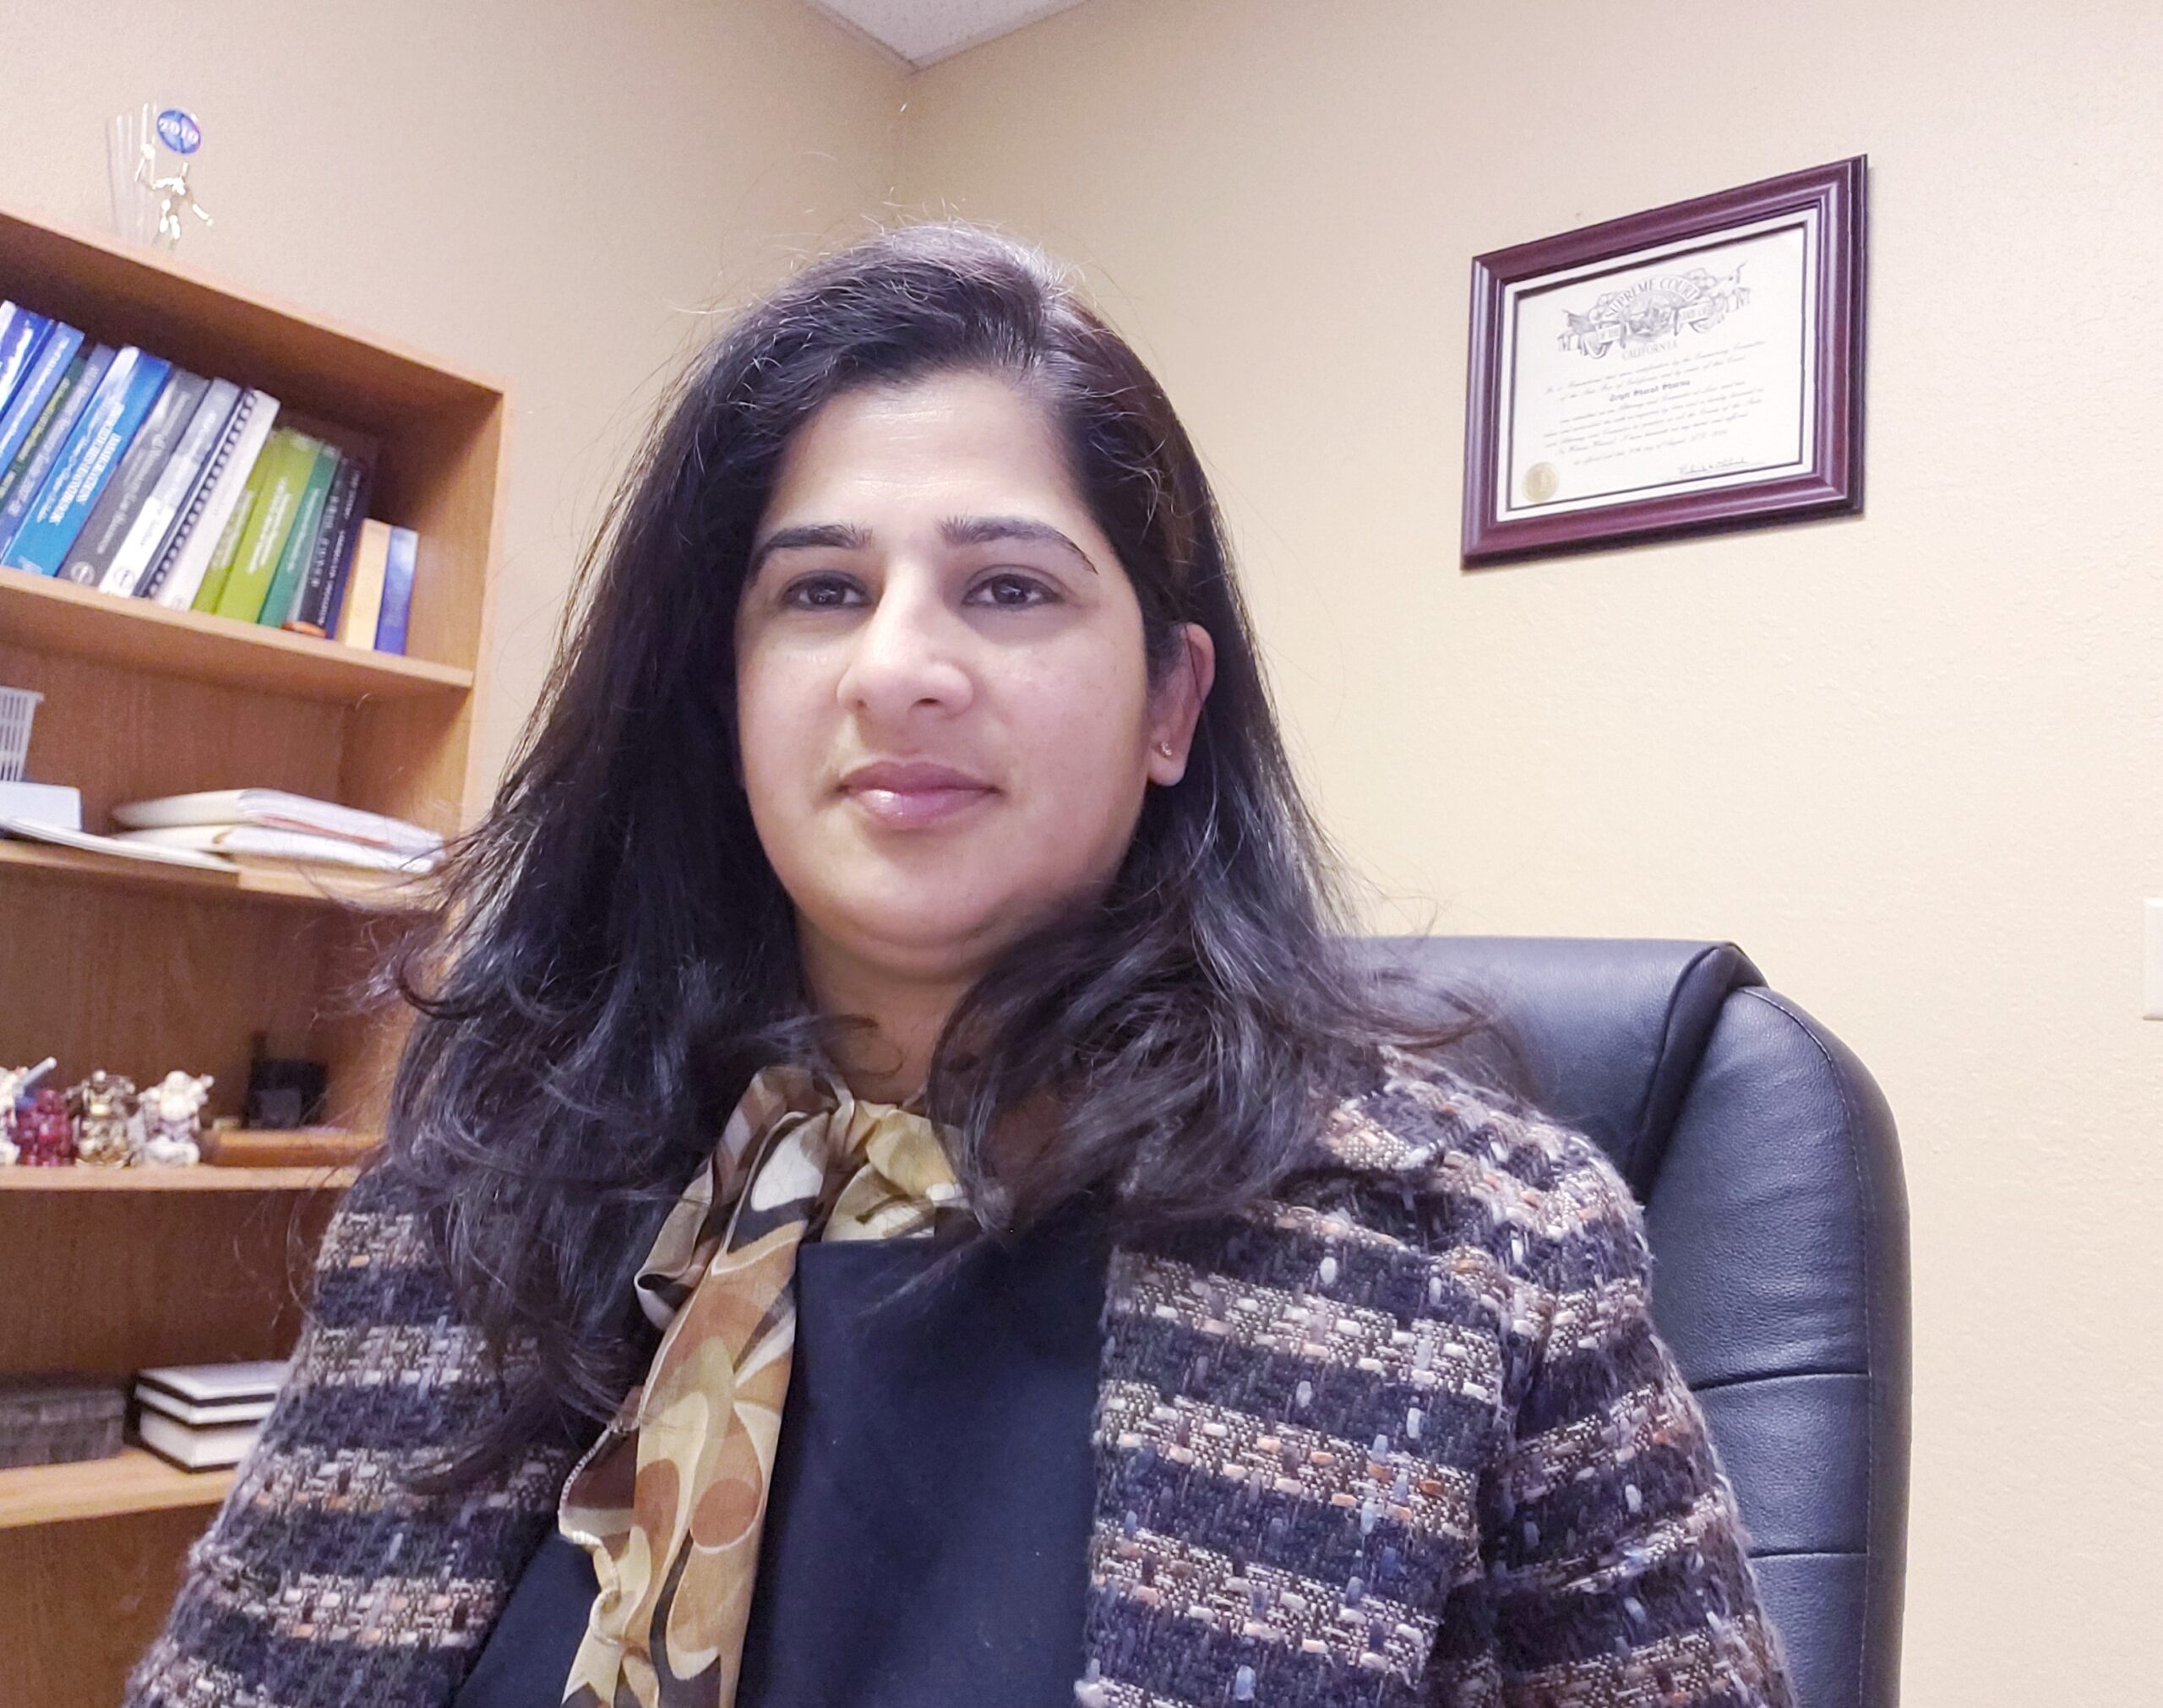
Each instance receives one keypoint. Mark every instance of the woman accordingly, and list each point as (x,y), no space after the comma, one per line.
(1099,1289)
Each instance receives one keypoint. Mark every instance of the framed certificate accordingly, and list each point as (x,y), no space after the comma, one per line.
(1699,366)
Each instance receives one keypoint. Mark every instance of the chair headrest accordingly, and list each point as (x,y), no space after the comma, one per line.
(1608,1031)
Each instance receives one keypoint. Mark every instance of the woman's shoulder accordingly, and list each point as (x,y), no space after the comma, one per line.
(1419,1150)
(377,1264)
(378,1226)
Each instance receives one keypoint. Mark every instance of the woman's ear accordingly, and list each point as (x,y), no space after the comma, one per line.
(1176,706)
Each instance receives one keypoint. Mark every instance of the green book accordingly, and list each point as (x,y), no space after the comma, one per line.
(256,561)
(228,546)
(300,542)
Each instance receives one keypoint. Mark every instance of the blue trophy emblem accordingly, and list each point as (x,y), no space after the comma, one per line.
(178,131)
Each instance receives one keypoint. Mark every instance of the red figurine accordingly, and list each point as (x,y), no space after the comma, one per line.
(43,1132)
(15,1085)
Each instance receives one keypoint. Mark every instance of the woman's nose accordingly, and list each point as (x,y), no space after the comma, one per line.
(908,651)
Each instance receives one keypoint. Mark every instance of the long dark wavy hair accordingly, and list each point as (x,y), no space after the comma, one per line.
(615,957)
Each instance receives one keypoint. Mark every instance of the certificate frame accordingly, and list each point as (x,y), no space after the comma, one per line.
(1569,445)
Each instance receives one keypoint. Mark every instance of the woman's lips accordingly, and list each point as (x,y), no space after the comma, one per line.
(911,809)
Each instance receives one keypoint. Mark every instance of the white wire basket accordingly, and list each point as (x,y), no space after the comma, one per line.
(18,707)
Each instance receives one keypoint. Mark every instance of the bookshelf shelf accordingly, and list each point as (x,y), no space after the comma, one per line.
(57,616)
(134,1480)
(313,888)
(154,298)
(203,1177)
(137,968)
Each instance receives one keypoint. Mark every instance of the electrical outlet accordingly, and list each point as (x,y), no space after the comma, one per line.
(2151,1007)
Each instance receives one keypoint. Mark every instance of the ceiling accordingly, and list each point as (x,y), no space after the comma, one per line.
(922,31)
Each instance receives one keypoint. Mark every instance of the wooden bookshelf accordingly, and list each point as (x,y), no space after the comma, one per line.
(311,886)
(135,1481)
(139,968)
(203,1177)
(59,616)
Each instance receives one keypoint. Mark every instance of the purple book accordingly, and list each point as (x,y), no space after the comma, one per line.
(397,591)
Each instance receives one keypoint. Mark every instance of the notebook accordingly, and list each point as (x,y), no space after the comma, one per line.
(195,1450)
(216,1385)
(205,1417)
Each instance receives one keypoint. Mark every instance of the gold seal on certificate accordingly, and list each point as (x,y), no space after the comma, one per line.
(1693,367)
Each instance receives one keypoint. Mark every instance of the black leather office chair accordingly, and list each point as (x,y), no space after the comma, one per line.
(1767,1162)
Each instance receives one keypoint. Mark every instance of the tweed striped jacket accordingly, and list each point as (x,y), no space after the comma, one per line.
(1403,1435)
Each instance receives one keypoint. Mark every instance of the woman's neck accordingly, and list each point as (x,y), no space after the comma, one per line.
(889,1061)
(878,1067)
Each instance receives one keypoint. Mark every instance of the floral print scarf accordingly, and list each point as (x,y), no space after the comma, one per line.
(670,1502)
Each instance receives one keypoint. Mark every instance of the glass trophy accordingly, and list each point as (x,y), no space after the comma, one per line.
(150,152)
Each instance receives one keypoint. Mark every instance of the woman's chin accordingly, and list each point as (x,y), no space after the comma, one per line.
(923,933)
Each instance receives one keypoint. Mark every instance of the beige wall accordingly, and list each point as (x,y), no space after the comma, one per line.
(1909,761)
(546,192)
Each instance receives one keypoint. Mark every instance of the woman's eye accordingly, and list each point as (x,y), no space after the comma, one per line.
(1007,591)
(816,593)
(1014,592)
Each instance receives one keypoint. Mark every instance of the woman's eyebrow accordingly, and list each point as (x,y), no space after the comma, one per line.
(955,530)
(988,531)
(833,536)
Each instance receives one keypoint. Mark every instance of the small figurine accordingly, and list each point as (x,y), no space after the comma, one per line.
(108,1120)
(172,1119)
(179,132)
(15,1084)
(173,196)
(43,1131)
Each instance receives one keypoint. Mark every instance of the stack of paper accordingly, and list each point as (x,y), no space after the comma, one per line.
(205,1417)
(269,824)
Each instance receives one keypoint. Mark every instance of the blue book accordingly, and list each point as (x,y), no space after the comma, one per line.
(87,461)
(56,406)
(21,332)
(397,591)
(39,383)
(38,455)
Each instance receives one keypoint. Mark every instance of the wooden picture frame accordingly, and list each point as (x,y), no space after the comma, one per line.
(1695,366)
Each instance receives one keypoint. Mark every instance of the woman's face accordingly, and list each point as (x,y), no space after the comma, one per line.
(930,595)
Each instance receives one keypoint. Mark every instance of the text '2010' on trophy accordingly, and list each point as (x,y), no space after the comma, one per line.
(150,151)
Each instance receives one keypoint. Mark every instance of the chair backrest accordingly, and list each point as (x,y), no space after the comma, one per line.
(1767,1162)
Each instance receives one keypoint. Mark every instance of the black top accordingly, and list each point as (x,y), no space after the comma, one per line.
(927,1536)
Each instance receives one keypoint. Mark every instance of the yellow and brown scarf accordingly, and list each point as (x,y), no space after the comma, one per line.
(670,1501)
